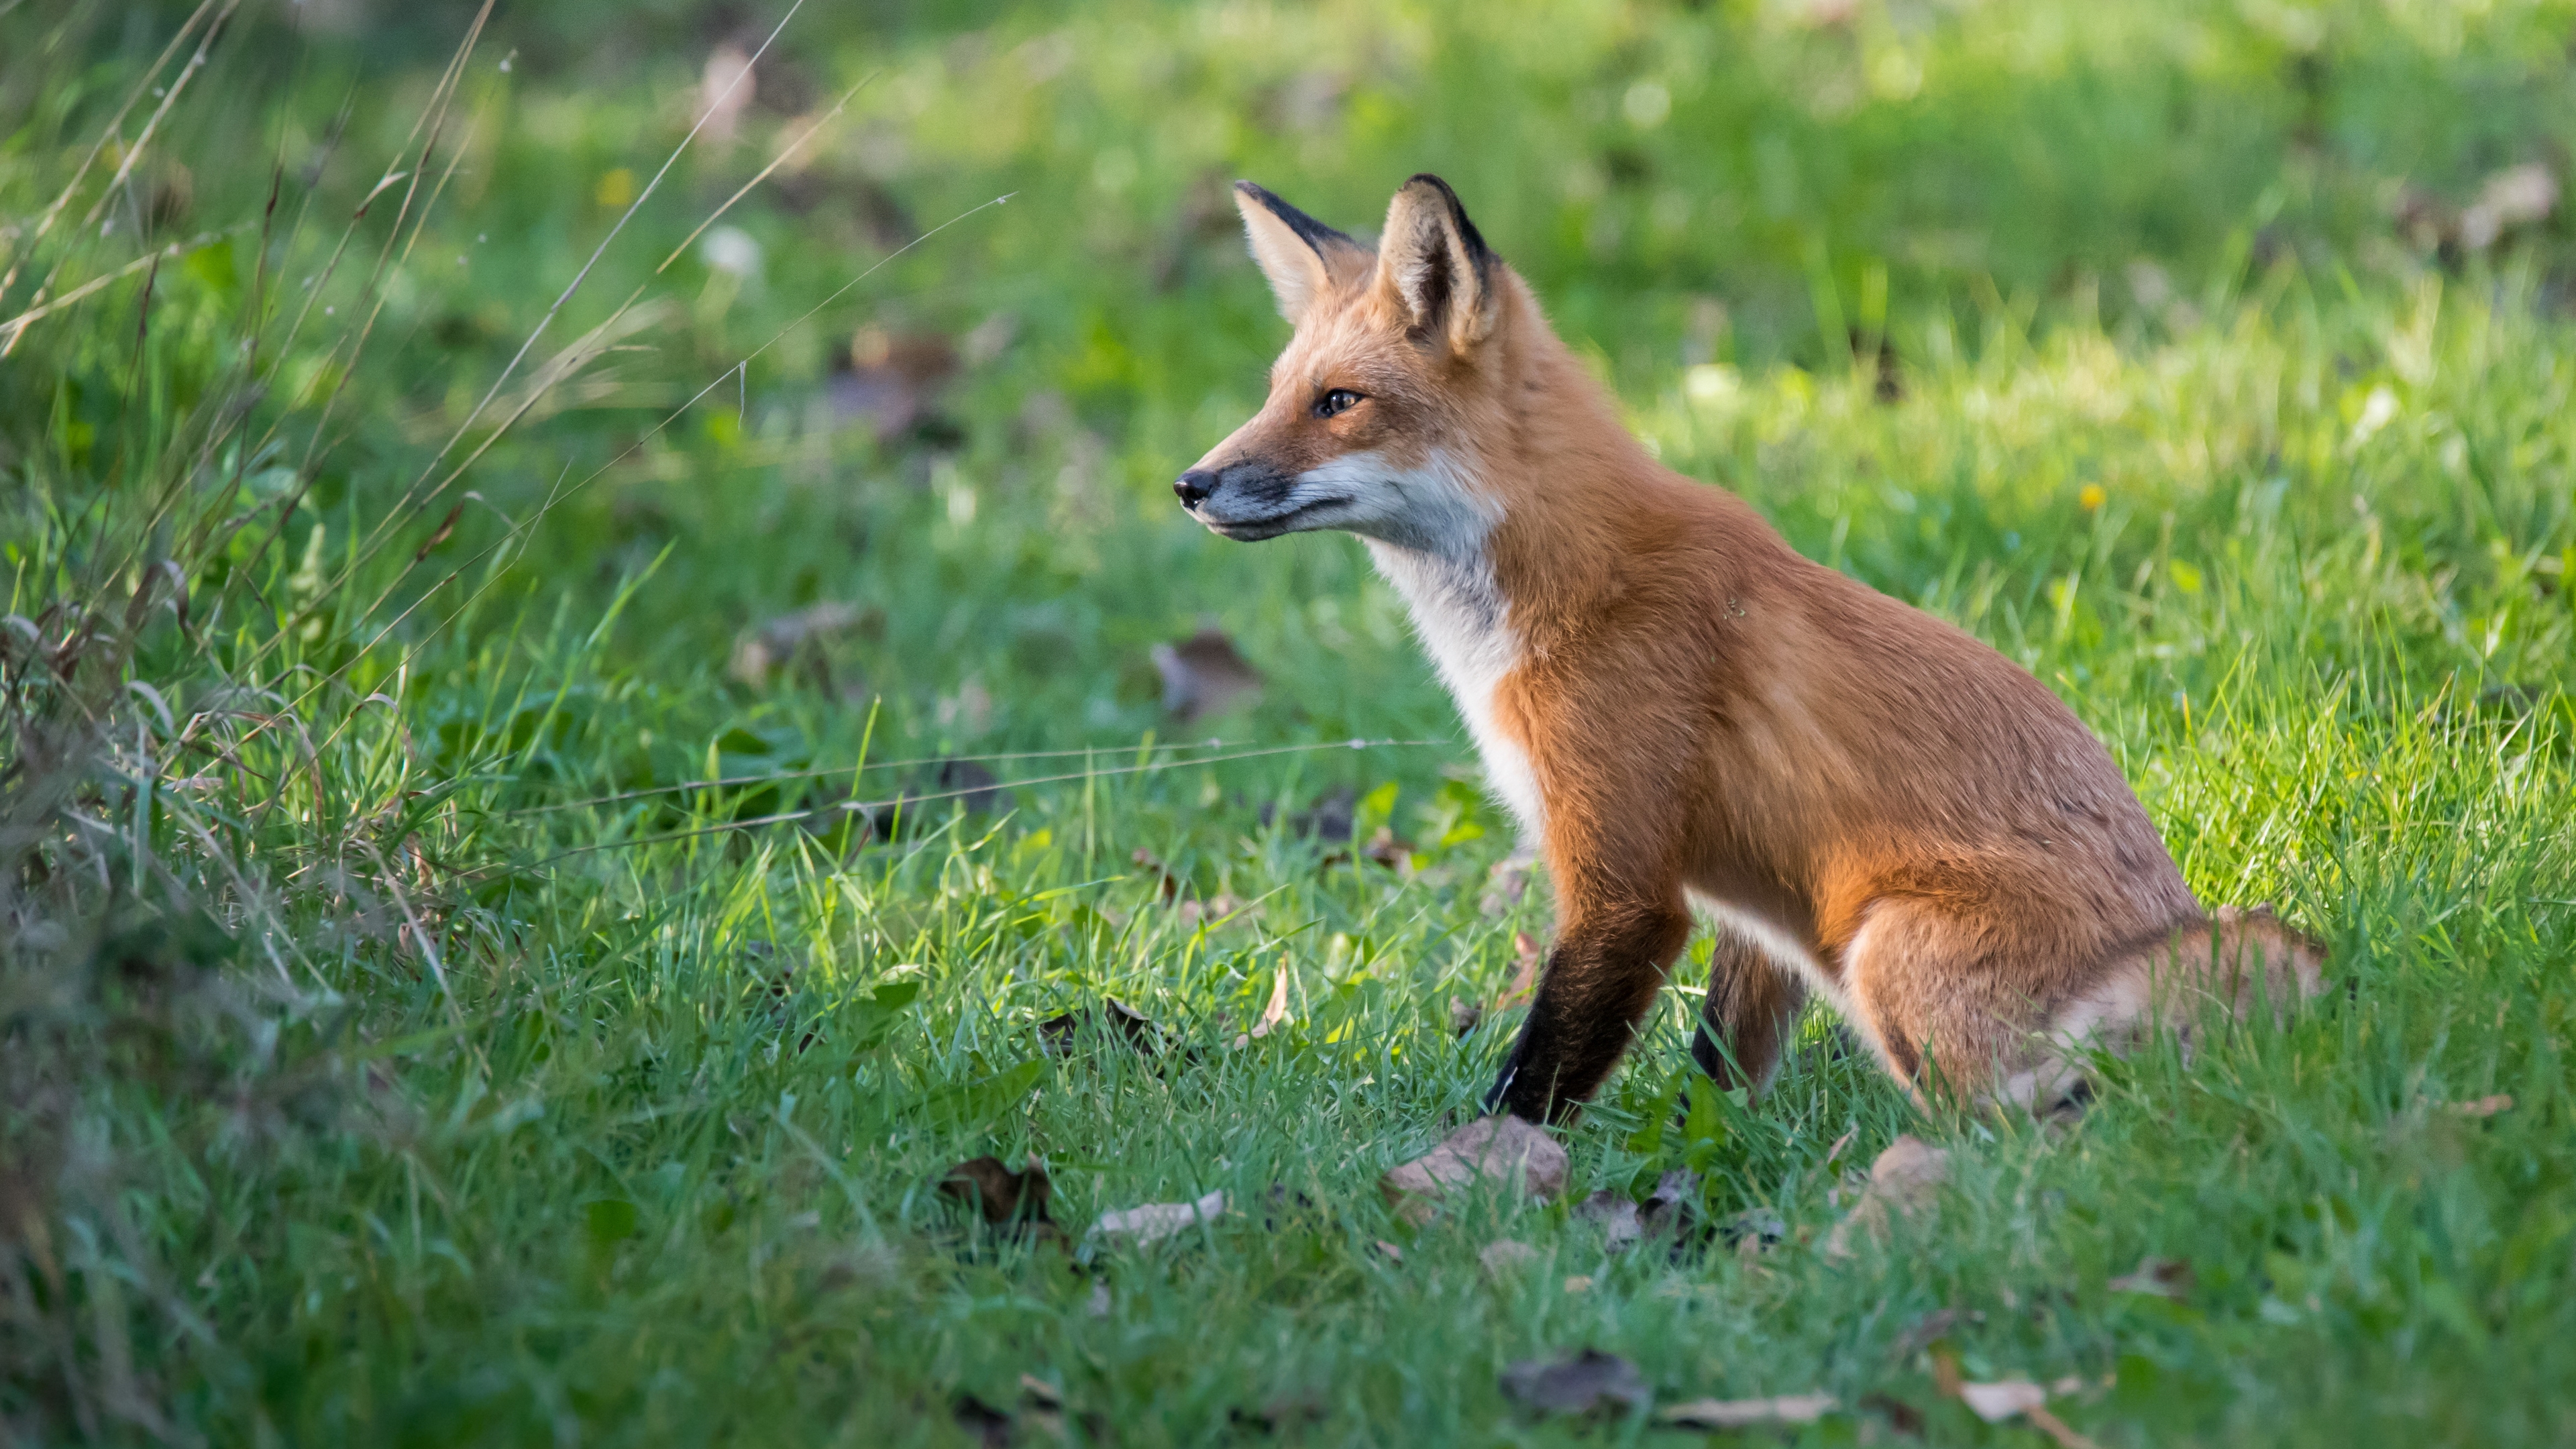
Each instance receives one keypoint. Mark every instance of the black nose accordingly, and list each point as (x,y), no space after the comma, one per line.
(1194,486)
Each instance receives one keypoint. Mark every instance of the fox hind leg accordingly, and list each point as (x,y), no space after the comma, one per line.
(1745,1020)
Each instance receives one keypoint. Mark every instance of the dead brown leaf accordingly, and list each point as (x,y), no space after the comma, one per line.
(797,639)
(1582,1383)
(1273,1014)
(2517,196)
(892,381)
(1509,1150)
(1617,1215)
(2163,1277)
(1389,850)
(1997,1402)
(1204,675)
(2482,1107)
(1743,1413)
(1676,1194)
(1167,885)
(1016,1200)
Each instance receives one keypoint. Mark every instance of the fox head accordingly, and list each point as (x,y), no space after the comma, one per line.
(1399,373)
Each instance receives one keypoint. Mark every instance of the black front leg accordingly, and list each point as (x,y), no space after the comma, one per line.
(1599,982)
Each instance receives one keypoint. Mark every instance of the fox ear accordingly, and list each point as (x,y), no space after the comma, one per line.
(1302,257)
(1434,266)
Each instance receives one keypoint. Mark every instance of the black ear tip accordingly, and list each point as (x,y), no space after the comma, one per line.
(1457,211)
(1254,190)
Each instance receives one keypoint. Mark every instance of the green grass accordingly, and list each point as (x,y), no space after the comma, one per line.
(373,1077)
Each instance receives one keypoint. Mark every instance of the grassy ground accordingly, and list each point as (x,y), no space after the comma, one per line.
(406,1044)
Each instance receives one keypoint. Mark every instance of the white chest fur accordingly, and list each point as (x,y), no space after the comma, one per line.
(1426,526)
(1465,625)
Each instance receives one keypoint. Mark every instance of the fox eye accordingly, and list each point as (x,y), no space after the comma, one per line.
(1339,400)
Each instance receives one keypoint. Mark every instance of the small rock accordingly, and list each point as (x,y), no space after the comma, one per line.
(1514,1152)
(1906,1177)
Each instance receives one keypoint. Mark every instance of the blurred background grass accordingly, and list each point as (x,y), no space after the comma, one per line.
(2209,358)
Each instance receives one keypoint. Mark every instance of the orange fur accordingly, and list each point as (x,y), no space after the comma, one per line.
(1878,807)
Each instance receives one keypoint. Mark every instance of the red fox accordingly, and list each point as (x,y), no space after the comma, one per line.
(1874,806)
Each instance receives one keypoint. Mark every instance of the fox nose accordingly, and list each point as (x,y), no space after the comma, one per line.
(1194,486)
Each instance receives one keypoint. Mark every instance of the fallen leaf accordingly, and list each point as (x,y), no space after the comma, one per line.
(1741,1413)
(1464,1015)
(1112,1020)
(796,639)
(1167,886)
(2483,1106)
(1389,850)
(1905,1178)
(1617,1215)
(1580,1383)
(1158,1220)
(1276,1012)
(2516,196)
(890,382)
(1006,1198)
(2163,1277)
(1579,1283)
(1997,1402)
(1510,1150)
(1392,1253)
(1504,1258)
(1203,675)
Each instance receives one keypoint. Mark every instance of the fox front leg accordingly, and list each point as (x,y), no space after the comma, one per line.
(1601,978)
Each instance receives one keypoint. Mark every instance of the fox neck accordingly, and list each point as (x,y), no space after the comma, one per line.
(1520,536)
(1465,625)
